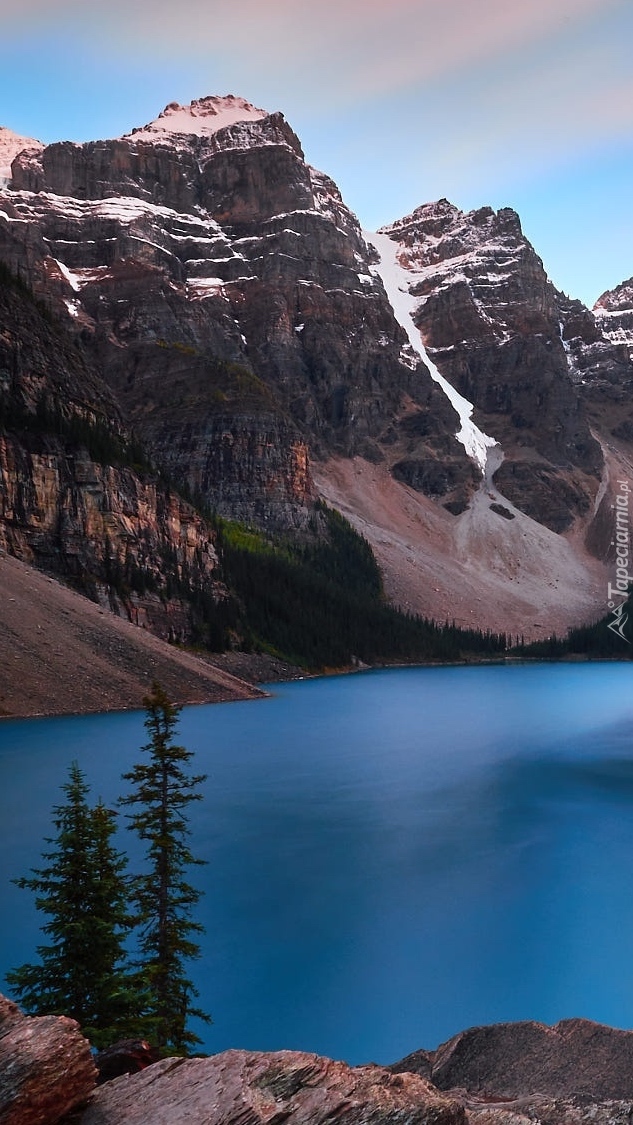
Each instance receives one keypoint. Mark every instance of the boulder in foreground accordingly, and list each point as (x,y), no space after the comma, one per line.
(46,1067)
(255,1088)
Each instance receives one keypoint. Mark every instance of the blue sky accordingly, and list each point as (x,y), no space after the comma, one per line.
(497,102)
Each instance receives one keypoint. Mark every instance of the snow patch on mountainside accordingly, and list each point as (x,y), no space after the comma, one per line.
(396,279)
(202,117)
(614,314)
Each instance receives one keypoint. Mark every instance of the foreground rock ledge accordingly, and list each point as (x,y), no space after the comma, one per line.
(46,1067)
(575,1073)
(252,1088)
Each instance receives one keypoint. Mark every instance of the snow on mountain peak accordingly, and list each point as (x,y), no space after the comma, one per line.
(396,278)
(202,117)
(10,145)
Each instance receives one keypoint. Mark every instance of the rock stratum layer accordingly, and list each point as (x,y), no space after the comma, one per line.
(292,1086)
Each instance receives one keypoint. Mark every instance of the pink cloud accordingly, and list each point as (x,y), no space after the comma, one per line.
(358,48)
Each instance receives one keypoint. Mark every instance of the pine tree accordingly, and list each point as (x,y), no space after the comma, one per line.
(82,889)
(119,996)
(162,792)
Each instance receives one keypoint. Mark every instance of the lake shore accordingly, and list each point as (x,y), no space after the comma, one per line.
(62,654)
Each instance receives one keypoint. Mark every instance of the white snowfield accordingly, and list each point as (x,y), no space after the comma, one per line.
(396,279)
(202,117)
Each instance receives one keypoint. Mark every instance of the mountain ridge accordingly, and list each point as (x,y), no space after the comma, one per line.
(236,311)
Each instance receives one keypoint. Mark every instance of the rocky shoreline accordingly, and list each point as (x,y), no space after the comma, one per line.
(575,1073)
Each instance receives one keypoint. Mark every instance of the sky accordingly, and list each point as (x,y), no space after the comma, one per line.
(519,103)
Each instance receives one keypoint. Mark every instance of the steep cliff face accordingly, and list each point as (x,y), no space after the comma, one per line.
(226,292)
(490,320)
(71,499)
(600,349)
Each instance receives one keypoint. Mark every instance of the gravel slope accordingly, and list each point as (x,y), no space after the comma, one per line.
(63,654)
(478,569)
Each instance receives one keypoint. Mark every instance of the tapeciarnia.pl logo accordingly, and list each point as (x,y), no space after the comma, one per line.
(617,593)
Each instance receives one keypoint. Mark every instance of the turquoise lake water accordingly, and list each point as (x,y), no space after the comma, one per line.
(392,856)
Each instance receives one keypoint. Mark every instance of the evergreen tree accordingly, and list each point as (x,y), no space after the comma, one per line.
(119,995)
(162,792)
(83,891)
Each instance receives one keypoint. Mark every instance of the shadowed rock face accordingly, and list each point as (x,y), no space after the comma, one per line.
(599,345)
(68,501)
(128,1056)
(491,322)
(575,1058)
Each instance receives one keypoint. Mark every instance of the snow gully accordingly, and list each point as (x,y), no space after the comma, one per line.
(396,280)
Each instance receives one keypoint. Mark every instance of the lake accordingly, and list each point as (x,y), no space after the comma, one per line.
(392,856)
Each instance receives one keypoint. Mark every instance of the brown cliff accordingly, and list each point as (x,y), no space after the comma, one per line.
(72,500)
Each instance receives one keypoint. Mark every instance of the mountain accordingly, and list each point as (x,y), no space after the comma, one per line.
(427,380)
(490,322)
(613,312)
(224,290)
(74,499)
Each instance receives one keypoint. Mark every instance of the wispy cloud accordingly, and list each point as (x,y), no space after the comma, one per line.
(530,111)
(339,49)
(320,60)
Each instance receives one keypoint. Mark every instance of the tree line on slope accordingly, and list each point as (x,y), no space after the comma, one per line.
(320,602)
(95,907)
(599,639)
(317,602)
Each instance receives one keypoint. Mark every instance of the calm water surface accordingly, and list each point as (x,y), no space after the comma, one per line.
(393,856)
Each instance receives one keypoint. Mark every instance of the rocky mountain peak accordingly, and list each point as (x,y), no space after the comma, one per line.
(203,117)
(10,145)
(440,232)
(491,322)
(257,344)
(619,298)
(614,314)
